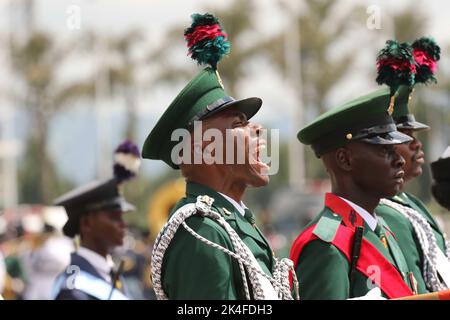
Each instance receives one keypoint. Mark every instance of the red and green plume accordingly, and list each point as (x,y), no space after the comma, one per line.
(395,65)
(426,53)
(206,39)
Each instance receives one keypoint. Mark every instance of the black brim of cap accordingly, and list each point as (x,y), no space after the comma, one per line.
(393,137)
(248,106)
(412,125)
(72,226)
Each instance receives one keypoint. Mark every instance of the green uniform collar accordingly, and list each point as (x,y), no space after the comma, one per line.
(223,206)
(227,210)
(400,198)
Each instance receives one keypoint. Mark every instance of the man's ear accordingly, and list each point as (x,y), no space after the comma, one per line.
(343,159)
(85,223)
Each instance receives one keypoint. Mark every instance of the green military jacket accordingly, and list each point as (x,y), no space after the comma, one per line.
(323,271)
(406,236)
(194,270)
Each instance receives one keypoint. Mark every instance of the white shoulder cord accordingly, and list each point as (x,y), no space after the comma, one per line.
(280,280)
(427,241)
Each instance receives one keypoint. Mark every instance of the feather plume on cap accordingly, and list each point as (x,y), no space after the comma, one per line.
(395,65)
(426,54)
(127,160)
(206,40)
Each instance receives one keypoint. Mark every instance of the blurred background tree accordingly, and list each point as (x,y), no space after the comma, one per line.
(36,62)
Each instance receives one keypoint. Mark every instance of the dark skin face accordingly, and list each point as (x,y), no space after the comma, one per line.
(251,172)
(413,155)
(102,231)
(364,173)
(232,179)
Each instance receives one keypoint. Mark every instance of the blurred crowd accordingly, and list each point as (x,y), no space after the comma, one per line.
(33,251)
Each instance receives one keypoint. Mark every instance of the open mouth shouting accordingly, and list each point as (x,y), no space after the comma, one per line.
(259,147)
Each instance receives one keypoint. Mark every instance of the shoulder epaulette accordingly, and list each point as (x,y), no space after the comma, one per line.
(327,226)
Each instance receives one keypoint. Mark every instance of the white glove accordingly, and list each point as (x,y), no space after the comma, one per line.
(374,294)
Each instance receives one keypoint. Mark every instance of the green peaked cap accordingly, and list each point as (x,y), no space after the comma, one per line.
(362,119)
(403,118)
(202,97)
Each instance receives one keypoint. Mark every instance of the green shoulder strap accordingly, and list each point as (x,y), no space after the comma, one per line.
(327,226)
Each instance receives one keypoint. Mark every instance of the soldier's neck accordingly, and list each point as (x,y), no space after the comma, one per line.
(91,245)
(365,201)
(232,189)
(406,180)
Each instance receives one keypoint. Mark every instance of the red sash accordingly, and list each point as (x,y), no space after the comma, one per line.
(390,280)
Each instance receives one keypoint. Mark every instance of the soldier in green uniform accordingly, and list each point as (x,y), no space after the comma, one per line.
(420,238)
(211,248)
(347,250)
